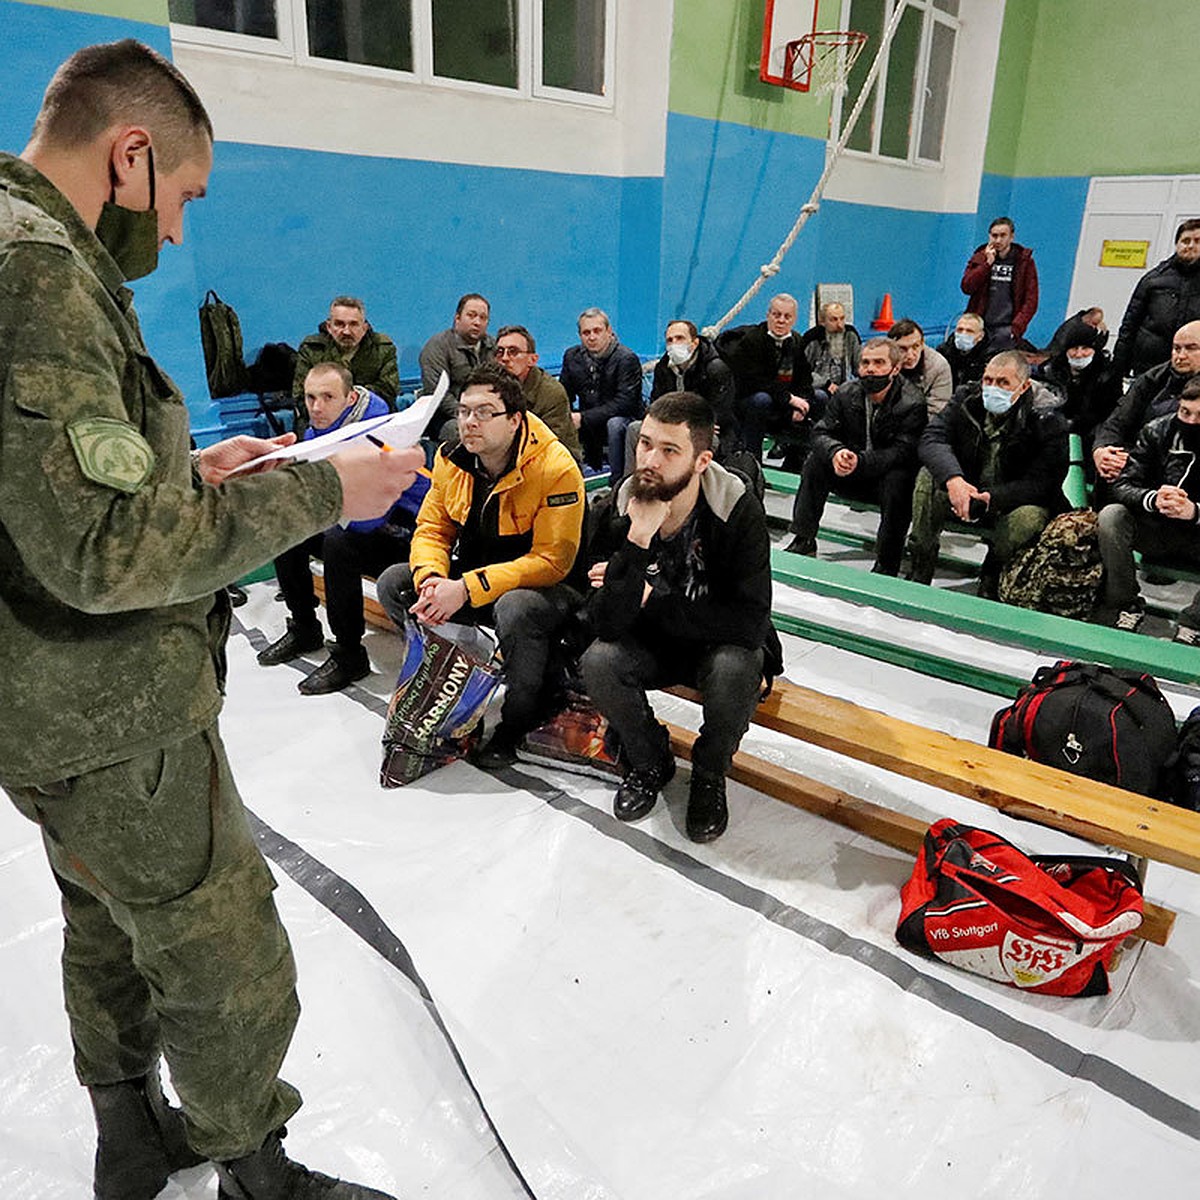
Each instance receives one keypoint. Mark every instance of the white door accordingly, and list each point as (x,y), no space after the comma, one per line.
(1129,210)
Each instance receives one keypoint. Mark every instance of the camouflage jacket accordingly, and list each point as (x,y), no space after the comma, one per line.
(373,363)
(110,549)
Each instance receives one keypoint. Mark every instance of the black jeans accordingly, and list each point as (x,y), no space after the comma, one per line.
(348,555)
(729,679)
(892,491)
(527,621)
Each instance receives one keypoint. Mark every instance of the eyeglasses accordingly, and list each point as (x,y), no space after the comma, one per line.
(509,352)
(481,415)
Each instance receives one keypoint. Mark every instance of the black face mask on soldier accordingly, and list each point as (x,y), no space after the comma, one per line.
(130,236)
(874,383)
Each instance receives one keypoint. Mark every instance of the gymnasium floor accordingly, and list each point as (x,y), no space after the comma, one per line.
(642,1018)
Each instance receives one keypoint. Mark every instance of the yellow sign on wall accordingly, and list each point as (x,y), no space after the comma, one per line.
(1124,254)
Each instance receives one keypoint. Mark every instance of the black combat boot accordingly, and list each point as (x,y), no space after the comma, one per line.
(268,1174)
(707,812)
(140,1140)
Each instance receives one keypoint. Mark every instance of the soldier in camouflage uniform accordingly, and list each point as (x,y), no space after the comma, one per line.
(113,551)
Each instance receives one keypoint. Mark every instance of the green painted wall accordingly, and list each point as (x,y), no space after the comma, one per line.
(1094,87)
(714,68)
(153,12)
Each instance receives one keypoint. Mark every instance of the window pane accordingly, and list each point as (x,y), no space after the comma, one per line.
(476,41)
(949,7)
(573,45)
(901,83)
(937,91)
(867,16)
(253,17)
(375,32)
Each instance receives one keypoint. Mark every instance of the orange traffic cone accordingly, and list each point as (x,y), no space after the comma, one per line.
(885,320)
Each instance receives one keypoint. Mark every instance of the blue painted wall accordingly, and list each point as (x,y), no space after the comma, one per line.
(283,231)
(730,196)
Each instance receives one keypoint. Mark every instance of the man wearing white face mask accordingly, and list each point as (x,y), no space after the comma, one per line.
(966,350)
(1081,375)
(992,457)
(692,364)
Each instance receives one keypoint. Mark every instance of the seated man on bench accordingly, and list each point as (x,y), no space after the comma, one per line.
(496,537)
(361,548)
(1156,512)
(682,573)
(865,447)
(991,457)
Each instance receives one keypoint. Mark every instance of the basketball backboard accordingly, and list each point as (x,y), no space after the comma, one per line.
(783,22)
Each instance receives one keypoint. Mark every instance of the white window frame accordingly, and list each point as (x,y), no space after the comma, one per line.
(931,15)
(292,43)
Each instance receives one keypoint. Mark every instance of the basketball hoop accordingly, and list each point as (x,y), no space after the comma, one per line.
(820,61)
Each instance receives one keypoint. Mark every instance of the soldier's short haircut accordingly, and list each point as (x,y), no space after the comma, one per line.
(521,331)
(903,328)
(349,302)
(594,312)
(895,351)
(1003,221)
(333,368)
(1187,226)
(972,319)
(463,301)
(1191,389)
(506,386)
(784,298)
(693,332)
(690,409)
(823,312)
(1014,359)
(123,83)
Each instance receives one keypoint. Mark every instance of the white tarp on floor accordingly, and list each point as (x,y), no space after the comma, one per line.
(643,1018)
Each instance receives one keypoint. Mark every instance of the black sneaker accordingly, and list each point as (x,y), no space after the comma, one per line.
(268,1174)
(299,639)
(707,813)
(800,545)
(639,789)
(339,670)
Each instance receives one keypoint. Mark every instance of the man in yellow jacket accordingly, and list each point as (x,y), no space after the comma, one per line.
(497,536)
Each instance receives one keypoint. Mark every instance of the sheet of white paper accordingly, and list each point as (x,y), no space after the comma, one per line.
(397,429)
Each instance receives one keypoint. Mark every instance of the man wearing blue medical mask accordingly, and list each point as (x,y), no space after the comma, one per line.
(994,458)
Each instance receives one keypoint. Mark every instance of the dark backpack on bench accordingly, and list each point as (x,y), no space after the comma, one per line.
(221,340)
(1112,726)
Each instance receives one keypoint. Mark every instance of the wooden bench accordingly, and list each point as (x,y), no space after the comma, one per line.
(1106,815)
(1144,828)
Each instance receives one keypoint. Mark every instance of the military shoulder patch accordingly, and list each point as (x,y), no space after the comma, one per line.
(111,453)
(561,498)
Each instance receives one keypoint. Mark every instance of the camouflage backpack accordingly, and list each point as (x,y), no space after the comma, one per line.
(221,341)
(1060,573)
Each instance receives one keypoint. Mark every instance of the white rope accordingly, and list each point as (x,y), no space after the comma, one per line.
(767,270)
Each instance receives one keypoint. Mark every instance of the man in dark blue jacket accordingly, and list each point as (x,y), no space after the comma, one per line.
(604,384)
(682,579)
(989,457)
(360,548)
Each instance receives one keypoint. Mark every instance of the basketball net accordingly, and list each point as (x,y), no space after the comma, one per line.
(820,62)
(767,270)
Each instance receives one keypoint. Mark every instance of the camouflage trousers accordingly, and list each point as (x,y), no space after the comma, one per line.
(172,942)
(1005,533)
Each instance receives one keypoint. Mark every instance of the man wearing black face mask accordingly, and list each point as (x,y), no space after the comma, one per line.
(865,447)
(1155,510)
(116,546)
